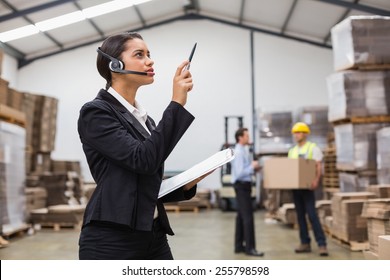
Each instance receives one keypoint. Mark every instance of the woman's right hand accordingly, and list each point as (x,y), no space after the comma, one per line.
(182,84)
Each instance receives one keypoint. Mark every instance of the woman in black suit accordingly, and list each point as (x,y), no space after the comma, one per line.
(126,150)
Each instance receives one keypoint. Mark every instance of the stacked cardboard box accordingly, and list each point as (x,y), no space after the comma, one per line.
(358,94)
(3,91)
(38,114)
(35,198)
(330,177)
(356,146)
(383,155)
(1,60)
(58,215)
(348,224)
(275,132)
(43,123)
(204,196)
(60,190)
(359,100)
(12,176)
(324,209)
(384,247)
(377,213)
(356,182)
(381,191)
(63,166)
(287,214)
(361,41)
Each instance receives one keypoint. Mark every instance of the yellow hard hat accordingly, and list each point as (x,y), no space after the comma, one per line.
(300,127)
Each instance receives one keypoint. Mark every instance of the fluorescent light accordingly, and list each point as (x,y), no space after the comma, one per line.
(109,7)
(18,33)
(68,19)
(60,21)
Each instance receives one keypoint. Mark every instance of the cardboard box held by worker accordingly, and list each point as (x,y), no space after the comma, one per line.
(287,173)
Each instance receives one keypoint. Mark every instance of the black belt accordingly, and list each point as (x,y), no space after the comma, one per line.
(243,182)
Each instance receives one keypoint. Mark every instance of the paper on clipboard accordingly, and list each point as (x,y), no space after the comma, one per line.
(215,161)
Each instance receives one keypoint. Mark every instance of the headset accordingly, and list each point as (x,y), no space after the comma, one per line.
(117,66)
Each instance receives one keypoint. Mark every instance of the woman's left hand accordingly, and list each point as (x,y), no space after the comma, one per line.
(191,184)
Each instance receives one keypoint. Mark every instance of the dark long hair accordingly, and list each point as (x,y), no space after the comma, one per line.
(113,46)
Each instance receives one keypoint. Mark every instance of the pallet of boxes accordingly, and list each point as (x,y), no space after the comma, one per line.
(377,211)
(359,95)
(35,188)
(12,166)
(53,187)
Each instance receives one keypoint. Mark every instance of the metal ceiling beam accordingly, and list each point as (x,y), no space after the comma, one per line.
(139,14)
(25,12)
(192,7)
(31,22)
(12,51)
(94,25)
(358,7)
(287,20)
(242,8)
(23,62)
(262,30)
(347,11)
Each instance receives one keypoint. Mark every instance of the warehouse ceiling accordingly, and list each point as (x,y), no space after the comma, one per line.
(307,21)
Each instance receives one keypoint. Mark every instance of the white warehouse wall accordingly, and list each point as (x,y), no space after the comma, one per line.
(288,75)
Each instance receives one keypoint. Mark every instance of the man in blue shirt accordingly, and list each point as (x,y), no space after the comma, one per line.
(242,170)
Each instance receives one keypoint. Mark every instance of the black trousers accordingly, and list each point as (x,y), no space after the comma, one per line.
(245,229)
(104,241)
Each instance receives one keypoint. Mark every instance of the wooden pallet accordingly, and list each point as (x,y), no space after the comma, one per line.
(59,226)
(329,152)
(180,208)
(330,158)
(354,246)
(363,120)
(331,175)
(330,168)
(17,232)
(330,185)
(11,115)
(346,169)
(370,67)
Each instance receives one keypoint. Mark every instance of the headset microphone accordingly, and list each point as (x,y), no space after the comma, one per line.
(118,66)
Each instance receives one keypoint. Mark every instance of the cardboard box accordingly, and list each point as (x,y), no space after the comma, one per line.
(361,40)
(13,115)
(358,94)
(3,91)
(297,173)
(1,60)
(357,146)
(384,247)
(368,255)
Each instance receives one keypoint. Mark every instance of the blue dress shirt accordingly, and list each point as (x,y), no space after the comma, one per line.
(242,169)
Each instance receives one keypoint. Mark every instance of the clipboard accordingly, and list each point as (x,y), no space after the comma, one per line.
(213,162)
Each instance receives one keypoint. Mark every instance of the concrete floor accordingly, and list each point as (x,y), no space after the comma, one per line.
(207,235)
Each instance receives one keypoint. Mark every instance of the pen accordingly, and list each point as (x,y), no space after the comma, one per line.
(190,58)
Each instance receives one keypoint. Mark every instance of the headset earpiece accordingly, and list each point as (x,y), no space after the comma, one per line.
(115,64)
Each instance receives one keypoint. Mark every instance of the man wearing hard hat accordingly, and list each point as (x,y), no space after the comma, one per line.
(304,199)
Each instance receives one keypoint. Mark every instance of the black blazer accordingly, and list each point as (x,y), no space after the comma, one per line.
(126,161)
